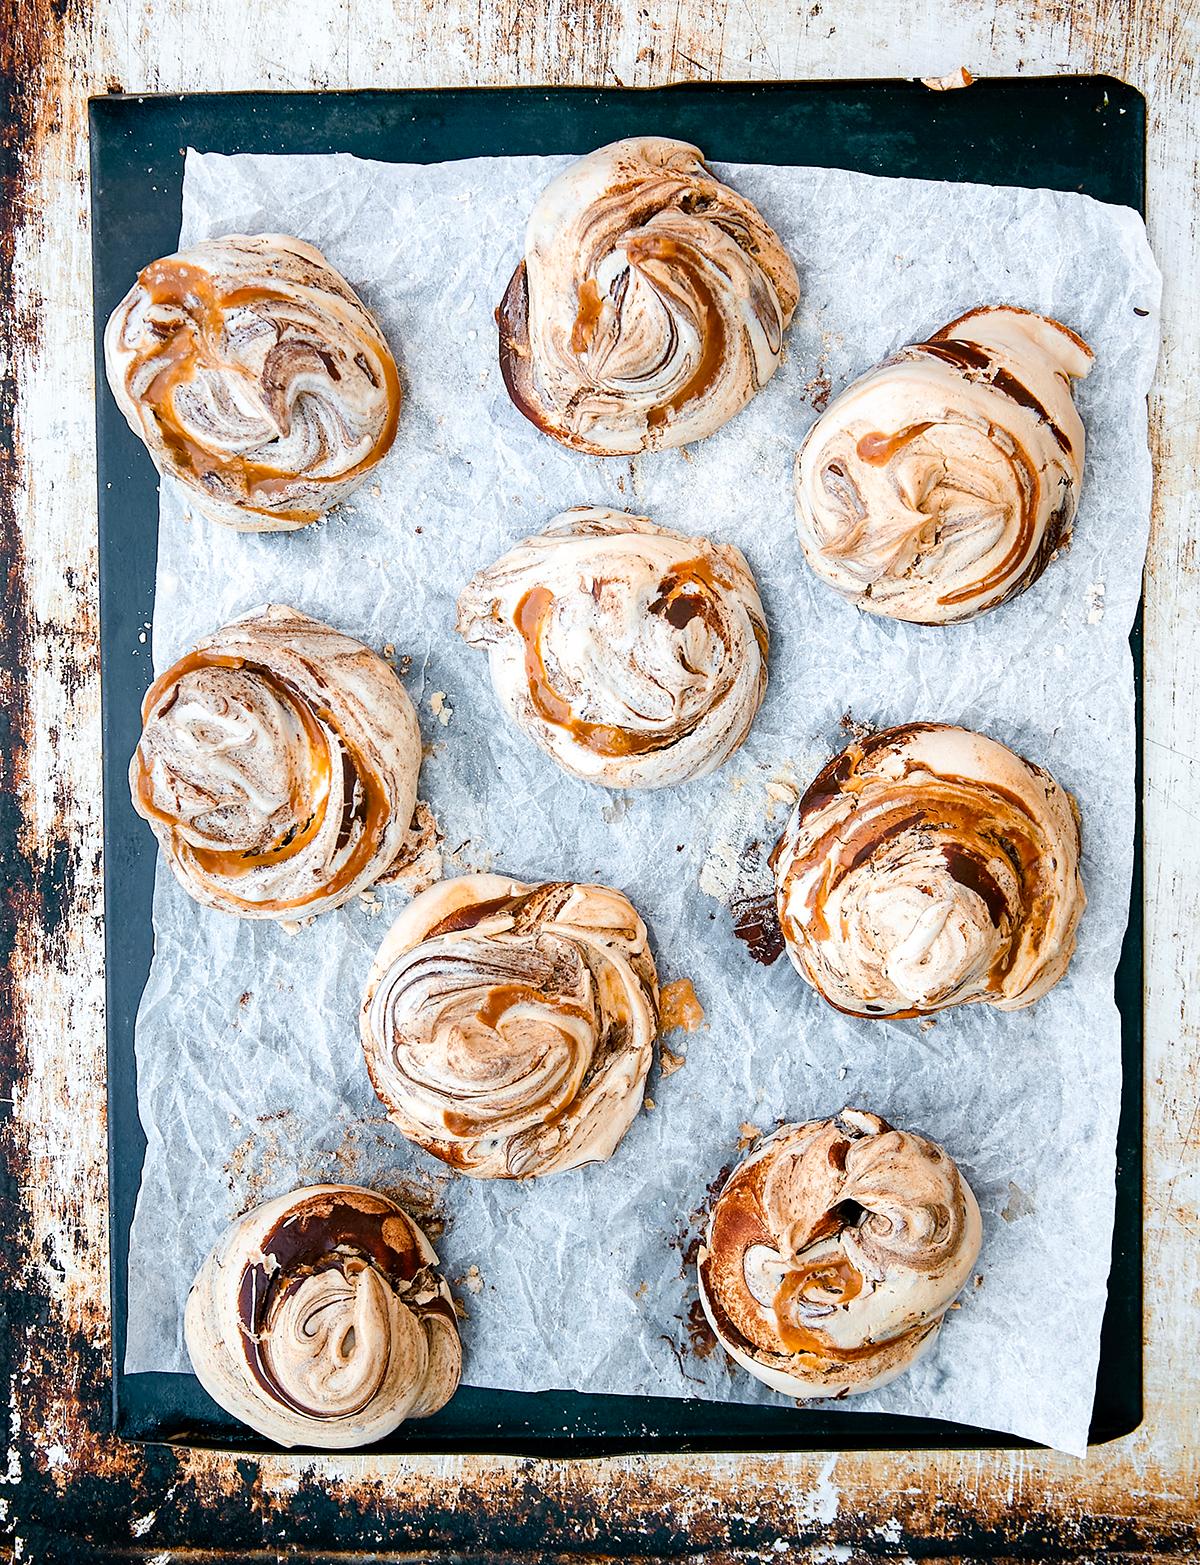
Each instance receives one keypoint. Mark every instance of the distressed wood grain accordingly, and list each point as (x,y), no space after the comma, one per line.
(69,1489)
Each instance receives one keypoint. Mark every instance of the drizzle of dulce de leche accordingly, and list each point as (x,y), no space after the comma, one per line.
(650,246)
(365,799)
(605,739)
(195,342)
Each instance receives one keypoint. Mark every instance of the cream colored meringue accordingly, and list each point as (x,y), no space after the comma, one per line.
(928,866)
(277,766)
(942,483)
(633,655)
(650,305)
(319,1319)
(509,1027)
(834,1252)
(256,377)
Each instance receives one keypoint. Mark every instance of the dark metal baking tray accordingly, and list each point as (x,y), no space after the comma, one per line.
(1065,133)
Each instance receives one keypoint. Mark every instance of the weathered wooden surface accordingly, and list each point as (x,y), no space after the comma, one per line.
(70,1490)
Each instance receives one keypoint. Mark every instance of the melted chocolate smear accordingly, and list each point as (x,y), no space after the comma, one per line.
(756,924)
(701,1337)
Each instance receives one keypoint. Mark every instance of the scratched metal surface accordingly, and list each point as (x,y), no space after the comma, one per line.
(68,1489)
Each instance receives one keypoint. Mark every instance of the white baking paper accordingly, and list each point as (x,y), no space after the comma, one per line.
(250,1077)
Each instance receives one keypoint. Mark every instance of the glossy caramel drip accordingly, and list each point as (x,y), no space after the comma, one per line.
(651,246)
(1030,486)
(603,738)
(195,343)
(832,1280)
(879,449)
(590,306)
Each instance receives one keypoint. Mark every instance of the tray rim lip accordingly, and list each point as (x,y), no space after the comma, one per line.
(600,1446)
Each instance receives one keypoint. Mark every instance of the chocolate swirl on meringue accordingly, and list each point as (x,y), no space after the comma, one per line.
(928,866)
(277,766)
(834,1252)
(256,377)
(319,1319)
(509,1028)
(650,305)
(942,483)
(633,655)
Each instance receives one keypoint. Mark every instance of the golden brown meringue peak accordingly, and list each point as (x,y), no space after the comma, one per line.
(834,1252)
(650,305)
(942,483)
(277,766)
(928,866)
(633,655)
(509,1028)
(319,1319)
(255,376)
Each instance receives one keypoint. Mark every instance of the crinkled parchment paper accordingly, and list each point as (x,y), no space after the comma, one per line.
(250,1078)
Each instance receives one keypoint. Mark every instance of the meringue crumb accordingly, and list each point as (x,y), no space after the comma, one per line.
(460,1309)
(375,491)
(950,82)
(669,1062)
(642,1289)
(842,1073)
(440,707)
(370,904)
(979,1279)
(1095,597)
(748,1134)
(473,1281)
(649,1104)
(405,663)
(290,926)
(927,1022)
(389,650)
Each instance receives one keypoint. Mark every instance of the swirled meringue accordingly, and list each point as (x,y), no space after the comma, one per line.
(319,1319)
(941,483)
(927,866)
(508,1027)
(277,766)
(255,376)
(650,305)
(633,655)
(834,1252)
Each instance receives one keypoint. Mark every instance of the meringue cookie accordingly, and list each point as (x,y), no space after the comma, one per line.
(277,766)
(633,655)
(319,1319)
(509,1028)
(650,305)
(255,376)
(834,1252)
(928,866)
(941,483)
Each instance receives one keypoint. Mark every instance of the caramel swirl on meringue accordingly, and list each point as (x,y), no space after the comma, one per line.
(834,1252)
(941,483)
(509,1028)
(650,305)
(928,866)
(277,766)
(255,376)
(319,1319)
(635,656)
